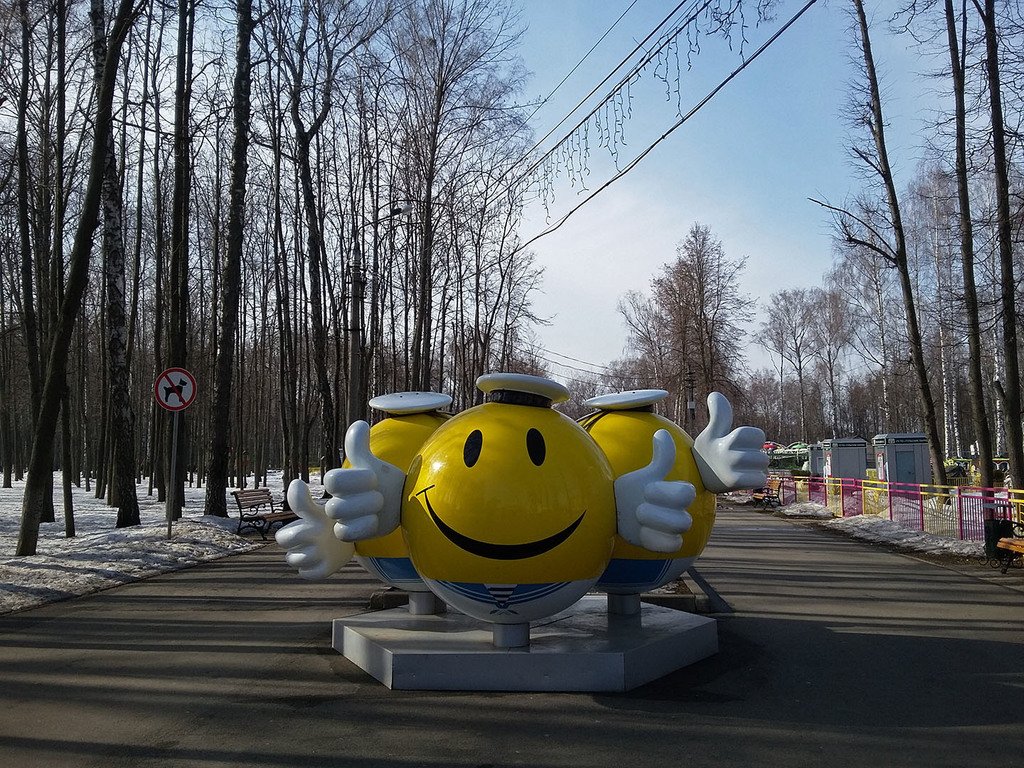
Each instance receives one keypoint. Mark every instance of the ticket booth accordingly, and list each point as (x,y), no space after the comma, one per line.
(903,458)
(845,457)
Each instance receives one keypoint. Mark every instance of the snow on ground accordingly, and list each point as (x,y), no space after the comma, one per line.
(806,509)
(884,531)
(102,556)
(878,529)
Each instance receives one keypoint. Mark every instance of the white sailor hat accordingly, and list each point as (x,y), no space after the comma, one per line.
(407,403)
(633,399)
(543,391)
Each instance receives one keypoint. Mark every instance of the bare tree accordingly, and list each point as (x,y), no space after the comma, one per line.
(172,295)
(865,282)
(449,53)
(788,330)
(694,320)
(957,44)
(106,51)
(231,284)
(699,293)
(865,229)
(122,420)
(832,329)
(178,283)
(7,330)
(30,320)
(1010,392)
(314,45)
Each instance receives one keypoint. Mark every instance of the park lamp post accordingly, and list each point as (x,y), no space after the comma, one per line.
(356,405)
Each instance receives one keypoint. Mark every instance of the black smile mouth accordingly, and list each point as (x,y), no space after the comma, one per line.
(500,551)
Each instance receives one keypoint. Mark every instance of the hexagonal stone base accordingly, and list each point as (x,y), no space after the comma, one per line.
(580,649)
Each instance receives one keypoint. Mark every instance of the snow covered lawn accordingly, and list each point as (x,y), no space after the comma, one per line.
(102,556)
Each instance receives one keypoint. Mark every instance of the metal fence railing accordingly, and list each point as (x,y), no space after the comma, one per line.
(957,512)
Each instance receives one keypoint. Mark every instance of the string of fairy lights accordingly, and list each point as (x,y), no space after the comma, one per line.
(571,153)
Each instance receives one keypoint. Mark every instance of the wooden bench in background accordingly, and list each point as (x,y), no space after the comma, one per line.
(1014,549)
(256,510)
(769,495)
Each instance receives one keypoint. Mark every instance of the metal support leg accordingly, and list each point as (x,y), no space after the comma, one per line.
(511,635)
(425,604)
(623,605)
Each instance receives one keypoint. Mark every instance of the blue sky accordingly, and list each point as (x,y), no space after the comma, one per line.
(744,165)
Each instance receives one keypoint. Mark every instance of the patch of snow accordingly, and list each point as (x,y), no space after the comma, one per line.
(883,531)
(879,529)
(806,509)
(102,556)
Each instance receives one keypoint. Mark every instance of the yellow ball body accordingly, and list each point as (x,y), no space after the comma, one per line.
(626,436)
(396,440)
(509,512)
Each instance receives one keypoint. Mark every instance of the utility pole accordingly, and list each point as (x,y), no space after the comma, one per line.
(691,402)
(356,404)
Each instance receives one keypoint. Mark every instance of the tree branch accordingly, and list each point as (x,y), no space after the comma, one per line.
(850,238)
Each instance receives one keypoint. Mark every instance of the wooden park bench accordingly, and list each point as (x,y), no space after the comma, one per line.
(1014,549)
(768,496)
(256,510)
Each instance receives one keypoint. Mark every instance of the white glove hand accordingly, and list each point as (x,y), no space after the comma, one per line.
(367,496)
(313,549)
(729,461)
(652,510)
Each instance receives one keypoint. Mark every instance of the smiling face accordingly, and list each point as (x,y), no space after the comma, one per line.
(509,494)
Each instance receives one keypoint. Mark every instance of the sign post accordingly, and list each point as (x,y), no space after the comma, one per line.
(175,389)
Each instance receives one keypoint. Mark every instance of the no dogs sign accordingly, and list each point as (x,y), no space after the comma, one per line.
(175,389)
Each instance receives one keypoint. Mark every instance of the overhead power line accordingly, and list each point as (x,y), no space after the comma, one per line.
(604,370)
(573,70)
(577,360)
(622,377)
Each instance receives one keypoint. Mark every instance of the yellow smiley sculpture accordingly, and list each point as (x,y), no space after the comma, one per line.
(623,426)
(411,418)
(508,509)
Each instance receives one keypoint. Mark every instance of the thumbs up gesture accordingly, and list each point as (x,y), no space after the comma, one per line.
(367,496)
(651,510)
(729,461)
(312,547)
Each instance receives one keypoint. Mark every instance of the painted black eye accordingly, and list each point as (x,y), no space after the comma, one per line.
(471,450)
(535,446)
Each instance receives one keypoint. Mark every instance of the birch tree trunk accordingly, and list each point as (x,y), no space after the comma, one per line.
(122,420)
(949,431)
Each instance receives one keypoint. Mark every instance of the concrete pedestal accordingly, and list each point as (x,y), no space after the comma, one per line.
(580,649)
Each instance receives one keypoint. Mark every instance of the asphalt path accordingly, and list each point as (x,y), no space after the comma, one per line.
(832,652)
